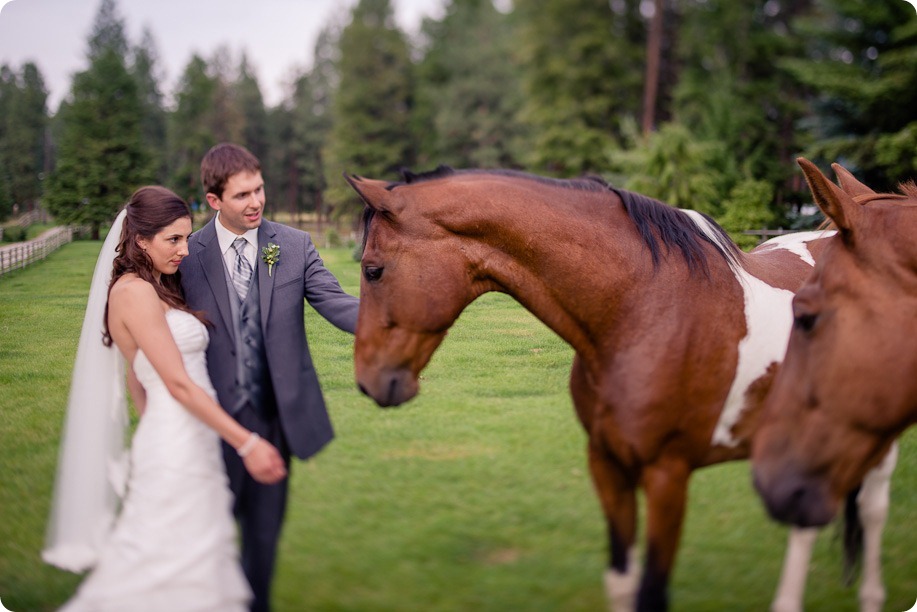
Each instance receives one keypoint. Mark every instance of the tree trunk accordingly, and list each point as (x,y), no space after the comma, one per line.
(653,58)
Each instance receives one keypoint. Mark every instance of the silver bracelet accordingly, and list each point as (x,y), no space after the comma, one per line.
(248,445)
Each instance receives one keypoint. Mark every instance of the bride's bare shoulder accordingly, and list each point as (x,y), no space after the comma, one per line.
(132,291)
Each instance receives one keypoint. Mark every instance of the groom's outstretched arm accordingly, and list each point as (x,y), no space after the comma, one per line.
(324,293)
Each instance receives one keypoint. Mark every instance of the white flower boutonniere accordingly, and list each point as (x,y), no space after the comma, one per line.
(271,256)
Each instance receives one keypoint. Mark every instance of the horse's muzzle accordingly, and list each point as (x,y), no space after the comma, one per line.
(795,499)
(388,387)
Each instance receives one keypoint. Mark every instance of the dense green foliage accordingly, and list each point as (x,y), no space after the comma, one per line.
(861,67)
(371,108)
(101,155)
(468,90)
(702,115)
(23,120)
(582,78)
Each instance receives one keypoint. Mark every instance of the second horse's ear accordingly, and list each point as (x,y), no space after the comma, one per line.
(850,184)
(839,206)
(375,194)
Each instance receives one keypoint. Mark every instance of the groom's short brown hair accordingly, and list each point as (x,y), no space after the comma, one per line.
(223,161)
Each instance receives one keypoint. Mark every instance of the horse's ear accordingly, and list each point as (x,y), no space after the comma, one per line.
(850,184)
(834,201)
(373,192)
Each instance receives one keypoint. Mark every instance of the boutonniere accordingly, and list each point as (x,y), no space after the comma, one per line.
(270,255)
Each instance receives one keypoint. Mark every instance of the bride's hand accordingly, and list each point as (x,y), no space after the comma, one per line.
(264,463)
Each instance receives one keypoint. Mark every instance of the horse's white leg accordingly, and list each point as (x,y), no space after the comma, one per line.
(872,503)
(792,585)
(621,588)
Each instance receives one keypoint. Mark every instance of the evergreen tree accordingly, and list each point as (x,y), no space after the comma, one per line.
(372,105)
(153,120)
(468,89)
(7,93)
(101,157)
(191,128)
(672,166)
(23,127)
(282,182)
(861,68)
(247,98)
(315,119)
(300,132)
(733,91)
(583,76)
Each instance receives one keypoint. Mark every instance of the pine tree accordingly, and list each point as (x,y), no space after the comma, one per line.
(733,90)
(583,76)
(468,89)
(145,68)
(7,93)
(372,105)
(23,126)
(101,157)
(300,131)
(190,128)
(247,98)
(861,68)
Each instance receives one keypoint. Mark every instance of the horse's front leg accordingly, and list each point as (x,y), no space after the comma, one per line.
(872,502)
(792,587)
(665,484)
(617,494)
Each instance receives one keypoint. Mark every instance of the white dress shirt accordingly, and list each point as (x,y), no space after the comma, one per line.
(226,238)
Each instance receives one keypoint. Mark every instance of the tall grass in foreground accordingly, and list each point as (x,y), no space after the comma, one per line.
(475,496)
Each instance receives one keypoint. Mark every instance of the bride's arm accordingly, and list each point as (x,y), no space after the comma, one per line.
(138,393)
(135,309)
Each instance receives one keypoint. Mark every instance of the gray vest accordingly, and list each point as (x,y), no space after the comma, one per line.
(253,381)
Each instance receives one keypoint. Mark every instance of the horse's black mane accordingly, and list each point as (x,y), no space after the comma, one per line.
(660,225)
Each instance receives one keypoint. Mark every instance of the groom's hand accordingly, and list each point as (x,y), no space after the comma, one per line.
(264,463)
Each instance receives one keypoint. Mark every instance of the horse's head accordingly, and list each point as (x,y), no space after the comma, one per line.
(848,385)
(416,281)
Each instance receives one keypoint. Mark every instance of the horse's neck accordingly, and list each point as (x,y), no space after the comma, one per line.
(570,270)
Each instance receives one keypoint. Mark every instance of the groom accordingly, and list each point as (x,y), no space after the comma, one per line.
(250,277)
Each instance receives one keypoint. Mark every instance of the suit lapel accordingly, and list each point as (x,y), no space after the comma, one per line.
(215,273)
(266,234)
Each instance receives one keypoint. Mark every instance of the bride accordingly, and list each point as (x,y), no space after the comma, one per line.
(172,545)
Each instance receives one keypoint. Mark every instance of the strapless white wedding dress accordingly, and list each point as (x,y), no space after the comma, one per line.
(174,544)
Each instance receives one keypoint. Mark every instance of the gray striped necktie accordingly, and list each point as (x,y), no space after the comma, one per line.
(242,273)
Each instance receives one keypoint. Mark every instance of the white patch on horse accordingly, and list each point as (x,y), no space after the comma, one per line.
(621,589)
(797,243)
(768,318)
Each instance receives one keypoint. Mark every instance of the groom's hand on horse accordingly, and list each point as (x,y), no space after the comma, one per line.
(264,463)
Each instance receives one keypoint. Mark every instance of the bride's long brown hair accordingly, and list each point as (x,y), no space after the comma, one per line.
(149,210)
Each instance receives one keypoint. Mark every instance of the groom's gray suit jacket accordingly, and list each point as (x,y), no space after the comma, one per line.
(298,275)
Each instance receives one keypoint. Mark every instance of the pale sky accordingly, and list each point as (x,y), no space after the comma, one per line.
(278,35)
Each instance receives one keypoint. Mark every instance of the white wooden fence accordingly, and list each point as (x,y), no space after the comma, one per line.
(20,254)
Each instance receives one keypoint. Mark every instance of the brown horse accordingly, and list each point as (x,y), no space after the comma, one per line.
(676,332)
(849,384)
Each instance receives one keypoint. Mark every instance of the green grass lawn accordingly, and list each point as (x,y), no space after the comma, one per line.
(475,496)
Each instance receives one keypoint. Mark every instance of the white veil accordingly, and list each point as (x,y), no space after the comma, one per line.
(93,462)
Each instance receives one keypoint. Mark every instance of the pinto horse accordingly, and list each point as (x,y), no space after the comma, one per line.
(848,387)
(676,332)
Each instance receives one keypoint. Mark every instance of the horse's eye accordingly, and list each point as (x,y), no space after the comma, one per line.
(373,273)
(805,322)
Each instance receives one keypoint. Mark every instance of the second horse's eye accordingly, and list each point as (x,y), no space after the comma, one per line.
(805,322)
(372,273)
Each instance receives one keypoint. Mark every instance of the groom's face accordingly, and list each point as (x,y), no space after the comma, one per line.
(242,202)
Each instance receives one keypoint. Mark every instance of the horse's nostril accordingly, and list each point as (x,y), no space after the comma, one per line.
(362,389)
(392,390)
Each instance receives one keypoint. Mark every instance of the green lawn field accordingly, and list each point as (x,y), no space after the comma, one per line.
(474,496)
